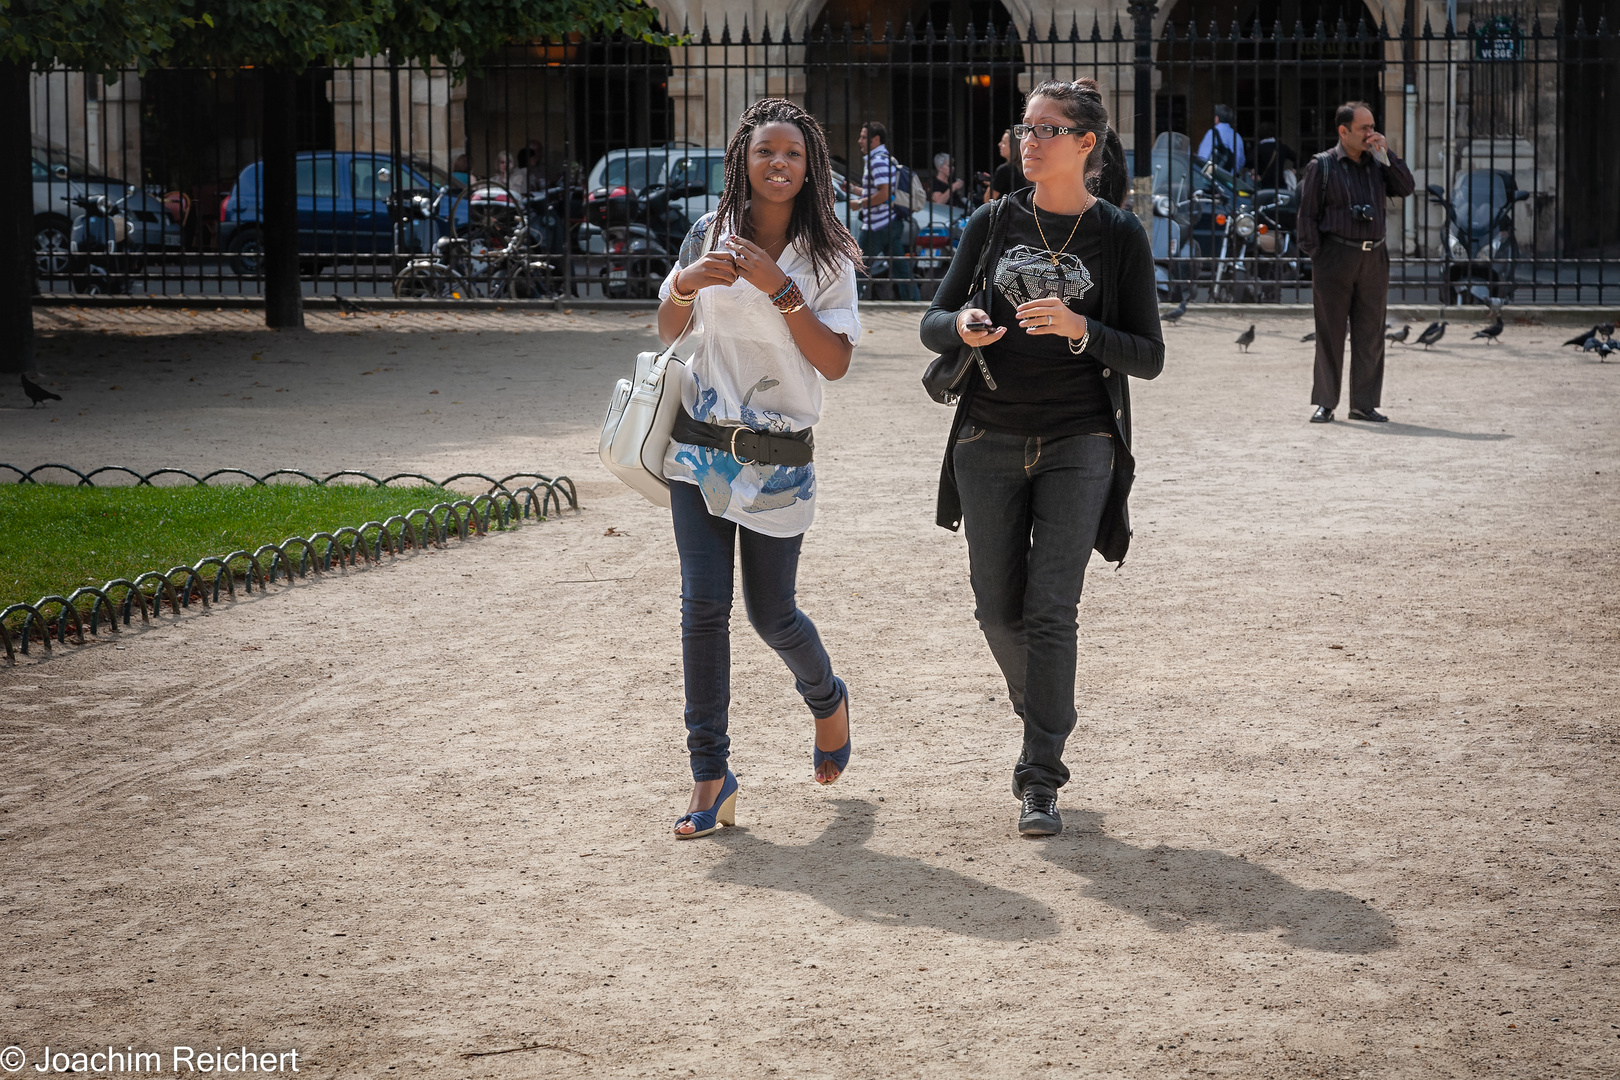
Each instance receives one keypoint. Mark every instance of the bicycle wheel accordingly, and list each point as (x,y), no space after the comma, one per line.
(424,281)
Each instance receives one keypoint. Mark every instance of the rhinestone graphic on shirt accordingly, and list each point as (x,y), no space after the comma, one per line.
(1026,273)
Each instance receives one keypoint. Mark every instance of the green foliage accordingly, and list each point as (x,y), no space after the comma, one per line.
(90,35)
(55,538)
(103,35)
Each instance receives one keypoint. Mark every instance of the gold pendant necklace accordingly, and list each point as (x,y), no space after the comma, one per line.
(1048,243)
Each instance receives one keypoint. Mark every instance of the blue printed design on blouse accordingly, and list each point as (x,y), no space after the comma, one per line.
(716,470)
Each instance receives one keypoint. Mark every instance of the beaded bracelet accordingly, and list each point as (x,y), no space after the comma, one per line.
(789,299)
(787,287)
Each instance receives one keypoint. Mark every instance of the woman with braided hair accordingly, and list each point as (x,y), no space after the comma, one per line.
(1038,463)
(767,283)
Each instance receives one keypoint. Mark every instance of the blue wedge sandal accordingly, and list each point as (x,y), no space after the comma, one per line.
(839,757)
(723,811)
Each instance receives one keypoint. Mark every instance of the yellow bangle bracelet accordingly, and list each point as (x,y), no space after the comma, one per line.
(675,294)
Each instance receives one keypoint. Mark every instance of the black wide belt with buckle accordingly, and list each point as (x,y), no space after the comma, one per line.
(1364,245)
(745,444)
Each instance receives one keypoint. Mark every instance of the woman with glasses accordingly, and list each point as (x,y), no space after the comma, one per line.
(1038,464)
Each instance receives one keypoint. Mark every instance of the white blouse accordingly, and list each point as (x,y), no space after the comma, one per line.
(746,370)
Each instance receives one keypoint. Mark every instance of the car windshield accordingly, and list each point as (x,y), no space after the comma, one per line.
(1478,197)
(1172,165)
(633,169)
(49,154)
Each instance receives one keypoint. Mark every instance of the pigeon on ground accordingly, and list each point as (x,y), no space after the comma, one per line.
(1491,332)
(1399,335)
(1309,337)
(1601,347)
(1580,339)
(1245,339)
(36,393)
(1606,329)
(1174,314)
(346,307)
(1434,333)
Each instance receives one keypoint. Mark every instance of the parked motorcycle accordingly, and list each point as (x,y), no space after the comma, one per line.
(628,239)
(1175,253)
(112,240)
(1481,248)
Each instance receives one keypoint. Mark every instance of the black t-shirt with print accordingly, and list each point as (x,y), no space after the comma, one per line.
(1043,388)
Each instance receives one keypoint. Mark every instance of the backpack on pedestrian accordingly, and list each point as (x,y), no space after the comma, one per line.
(1221,155)
(907,194)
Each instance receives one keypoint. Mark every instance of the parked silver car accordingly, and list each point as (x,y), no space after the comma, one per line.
(61,178)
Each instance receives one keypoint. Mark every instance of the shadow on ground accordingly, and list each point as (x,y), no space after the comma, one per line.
(1418,431)
(838,870)
(1174,888)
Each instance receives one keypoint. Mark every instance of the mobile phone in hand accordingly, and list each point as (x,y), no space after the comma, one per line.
(981,327)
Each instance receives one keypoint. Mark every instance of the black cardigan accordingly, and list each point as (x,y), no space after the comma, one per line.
(1126,341)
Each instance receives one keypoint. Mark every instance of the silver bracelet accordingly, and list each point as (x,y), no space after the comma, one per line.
(1078,345)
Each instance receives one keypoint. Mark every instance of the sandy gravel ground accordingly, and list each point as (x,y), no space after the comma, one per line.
(1346,780)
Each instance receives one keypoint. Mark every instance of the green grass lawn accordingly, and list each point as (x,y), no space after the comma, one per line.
(54,539)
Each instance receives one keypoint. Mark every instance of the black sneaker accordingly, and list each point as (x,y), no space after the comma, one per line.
(1040,813)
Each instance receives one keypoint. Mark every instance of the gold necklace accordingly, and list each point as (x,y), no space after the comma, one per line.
(1072,231)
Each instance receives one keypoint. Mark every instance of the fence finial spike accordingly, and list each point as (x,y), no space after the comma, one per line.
(746,40)
(1096,27)
(725,31)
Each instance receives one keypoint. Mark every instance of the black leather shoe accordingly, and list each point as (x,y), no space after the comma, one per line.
(1372,416)
(1040,813)
(1322,415)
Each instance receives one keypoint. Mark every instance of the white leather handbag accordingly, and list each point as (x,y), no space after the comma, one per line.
(640,418)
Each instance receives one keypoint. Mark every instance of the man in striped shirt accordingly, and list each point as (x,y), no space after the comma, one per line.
(883,233)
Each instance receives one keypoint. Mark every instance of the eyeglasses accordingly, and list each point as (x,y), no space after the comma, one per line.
(1044,131)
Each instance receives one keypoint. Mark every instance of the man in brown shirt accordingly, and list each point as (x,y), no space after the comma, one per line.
(1341,227)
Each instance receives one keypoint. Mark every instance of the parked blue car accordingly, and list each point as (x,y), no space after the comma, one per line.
(342,206)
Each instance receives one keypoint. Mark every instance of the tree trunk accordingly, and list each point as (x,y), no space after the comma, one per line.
(283,291)
(16,224)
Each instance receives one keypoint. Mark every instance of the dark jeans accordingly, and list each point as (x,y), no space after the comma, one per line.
(1349,285)
(889,243)
(770,565)
(1030,508)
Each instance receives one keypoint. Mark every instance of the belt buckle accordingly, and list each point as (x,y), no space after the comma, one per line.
(736,431)
(1368,245)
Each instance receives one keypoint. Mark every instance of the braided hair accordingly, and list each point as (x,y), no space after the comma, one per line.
(1081,102)
(813,219)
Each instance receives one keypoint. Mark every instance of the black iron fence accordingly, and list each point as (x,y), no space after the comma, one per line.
(573,168)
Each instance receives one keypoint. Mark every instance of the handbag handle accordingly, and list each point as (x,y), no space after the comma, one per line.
(691,312)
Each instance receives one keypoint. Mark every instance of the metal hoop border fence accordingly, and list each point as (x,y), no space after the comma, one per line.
(346,546)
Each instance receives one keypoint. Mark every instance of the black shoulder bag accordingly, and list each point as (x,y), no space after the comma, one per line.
(947,374)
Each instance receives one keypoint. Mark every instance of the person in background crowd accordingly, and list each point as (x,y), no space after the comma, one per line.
(1342,201)
(1222,144)
(1274,160)
(461,170)
(945,191)
(1006,179)
(520,175)
(503,169)
(883,234)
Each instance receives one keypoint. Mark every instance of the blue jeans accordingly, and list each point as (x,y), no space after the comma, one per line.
(1030,509)
(770,567)
(889,243)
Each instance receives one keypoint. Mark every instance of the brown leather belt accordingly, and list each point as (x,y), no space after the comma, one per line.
(745,444)
(1364,245)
